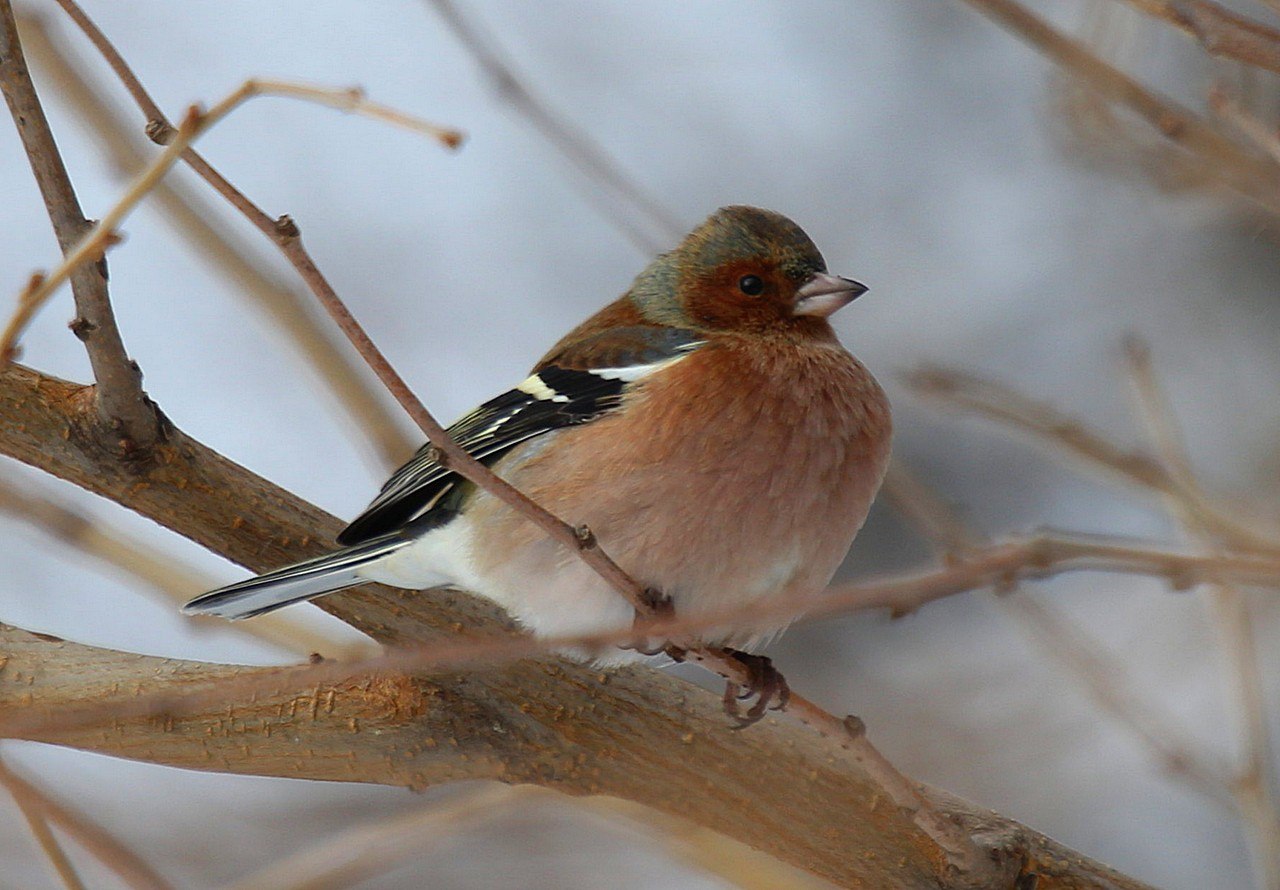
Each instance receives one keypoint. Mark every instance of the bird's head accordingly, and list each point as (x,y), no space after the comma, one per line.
(743,269)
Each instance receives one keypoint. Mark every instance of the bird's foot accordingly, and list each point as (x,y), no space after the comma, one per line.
(765,683)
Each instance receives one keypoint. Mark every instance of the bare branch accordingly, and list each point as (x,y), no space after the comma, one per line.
(1230,110)
(539,722)
(102,234)
(658,228)
(29,804)
(1069,436)
(120,402)
(127,865)
(920,506)
(1254,179)
(173,580)
(195,222)
(1255,791)
(1218,30)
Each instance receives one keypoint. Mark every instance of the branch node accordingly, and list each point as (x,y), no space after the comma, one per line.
(286,229)
(437,456)
(586,537)
(82,328)
(161,132)
(854,726)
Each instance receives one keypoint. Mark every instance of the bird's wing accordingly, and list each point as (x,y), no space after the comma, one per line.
(575,386)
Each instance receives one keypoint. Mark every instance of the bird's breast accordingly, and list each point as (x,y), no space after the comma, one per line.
(734,474)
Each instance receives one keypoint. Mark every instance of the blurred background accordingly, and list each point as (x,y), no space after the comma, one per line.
(929,153)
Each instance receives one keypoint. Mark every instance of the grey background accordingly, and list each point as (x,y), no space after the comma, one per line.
(916,144)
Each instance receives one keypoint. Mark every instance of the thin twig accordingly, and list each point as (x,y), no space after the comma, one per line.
(1062,639)
(574,144)
(1218,30)
(361,853)
(349,382)
(999,565)
(920,506)
(1254,179)
(1070,436)
(44,836)
(173,580)
(96,241)
(1257,132)
(118,396)
(1255,790)
(127,865)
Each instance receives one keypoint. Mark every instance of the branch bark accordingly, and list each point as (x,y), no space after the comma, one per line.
(119,400)
(636,733)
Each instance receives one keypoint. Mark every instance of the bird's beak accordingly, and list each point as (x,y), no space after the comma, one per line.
(823,294)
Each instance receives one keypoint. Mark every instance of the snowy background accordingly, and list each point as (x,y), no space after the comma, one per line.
(916,144)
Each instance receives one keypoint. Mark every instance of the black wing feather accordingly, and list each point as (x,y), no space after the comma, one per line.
(425,494)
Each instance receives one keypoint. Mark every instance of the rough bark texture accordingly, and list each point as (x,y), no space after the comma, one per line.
(637,734)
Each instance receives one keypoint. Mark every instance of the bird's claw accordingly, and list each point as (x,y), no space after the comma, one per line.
(765,683)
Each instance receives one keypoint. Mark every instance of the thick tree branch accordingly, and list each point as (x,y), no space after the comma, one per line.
(119,399)
(636,734)
(562,730)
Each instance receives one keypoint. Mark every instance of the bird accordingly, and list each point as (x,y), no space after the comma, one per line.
(707,426)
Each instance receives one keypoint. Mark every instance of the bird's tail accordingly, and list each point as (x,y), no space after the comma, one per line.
(295,583)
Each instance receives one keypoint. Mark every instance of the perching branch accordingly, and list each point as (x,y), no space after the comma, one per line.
(119,400)
(538,722)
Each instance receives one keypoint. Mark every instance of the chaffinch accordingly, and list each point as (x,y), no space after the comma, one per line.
(707,427)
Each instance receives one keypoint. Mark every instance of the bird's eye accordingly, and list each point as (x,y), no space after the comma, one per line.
(751,285)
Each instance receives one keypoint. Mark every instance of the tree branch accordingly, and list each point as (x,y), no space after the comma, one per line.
(1219,30)
(539,722)
(131,868)
(380,427)
(119,400)
(658,227)
(1252,178)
